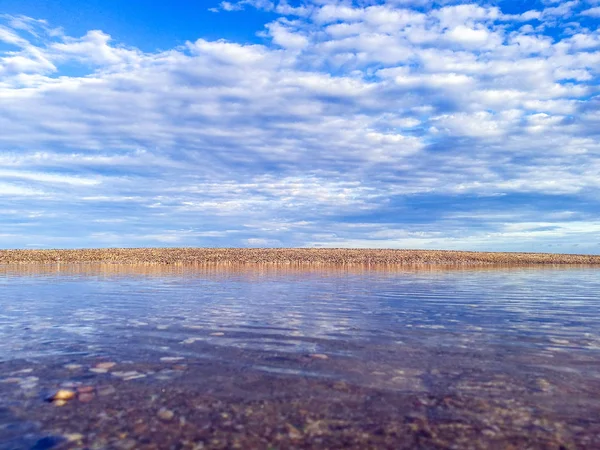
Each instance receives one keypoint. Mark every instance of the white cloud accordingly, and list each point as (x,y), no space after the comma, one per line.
(592,12)
(341,111)
(242,4)
(12,190)
(49,178)
(285,38)
(468,36)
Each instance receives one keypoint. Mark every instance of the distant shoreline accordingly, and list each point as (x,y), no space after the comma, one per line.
(288,256)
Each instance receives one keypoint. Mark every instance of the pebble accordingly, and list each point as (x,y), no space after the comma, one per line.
(105,365)
(165,414)
(59,402)
(134,377)
(103,391)
(63,394)
(86,397)
(319,356)
(218,333)
(293,432)
(85,389)
(543,385)
(73,437)
(127,376)
(98,370)
(171,358)
(341,386)
(124,374)
(72,366)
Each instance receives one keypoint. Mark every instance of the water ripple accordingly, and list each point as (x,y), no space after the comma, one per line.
(47,312)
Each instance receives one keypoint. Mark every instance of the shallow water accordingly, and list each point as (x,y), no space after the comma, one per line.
(525,340)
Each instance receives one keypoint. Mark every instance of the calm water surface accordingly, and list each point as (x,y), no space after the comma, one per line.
(513,334)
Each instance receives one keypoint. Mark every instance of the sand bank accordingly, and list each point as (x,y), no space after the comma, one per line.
(295,256)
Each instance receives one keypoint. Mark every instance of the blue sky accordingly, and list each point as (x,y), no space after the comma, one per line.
(319,123)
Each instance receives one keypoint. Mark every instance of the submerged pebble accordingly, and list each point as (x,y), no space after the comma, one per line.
(130,375)
(218,333)
(86,397)
(543,385)
(105,365)
(319,356)
(124,374)
(103,391)
(190,340)
(85,389)
(63,394)
(135,377)
(73,437)
(293,432)
(165,414)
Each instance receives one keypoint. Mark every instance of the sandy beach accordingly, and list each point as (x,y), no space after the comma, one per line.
(292,256)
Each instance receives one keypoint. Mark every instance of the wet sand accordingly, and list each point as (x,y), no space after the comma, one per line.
(371,257)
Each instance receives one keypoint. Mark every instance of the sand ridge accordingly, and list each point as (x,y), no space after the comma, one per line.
(288,256)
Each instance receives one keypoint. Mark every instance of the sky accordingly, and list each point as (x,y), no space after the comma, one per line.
(460,125)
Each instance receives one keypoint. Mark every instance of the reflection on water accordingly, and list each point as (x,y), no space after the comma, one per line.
(49,310)
(504,333)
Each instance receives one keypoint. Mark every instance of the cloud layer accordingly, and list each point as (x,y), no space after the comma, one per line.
(365,124)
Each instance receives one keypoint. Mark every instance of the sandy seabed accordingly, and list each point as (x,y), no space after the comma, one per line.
(288,256)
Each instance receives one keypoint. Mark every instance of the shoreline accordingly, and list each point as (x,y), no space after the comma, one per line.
(289,256)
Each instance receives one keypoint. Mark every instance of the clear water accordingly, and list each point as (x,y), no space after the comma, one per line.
(45,311)
(528,337)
